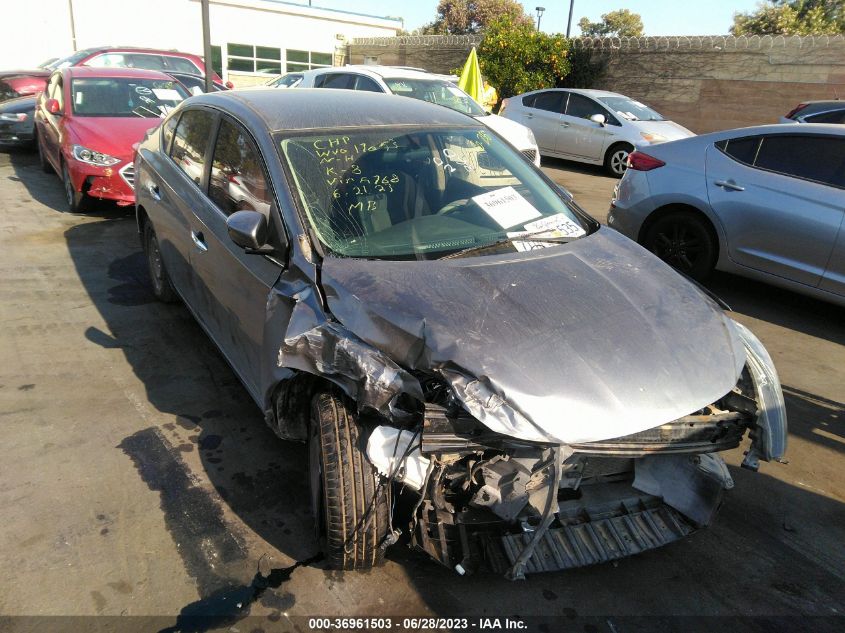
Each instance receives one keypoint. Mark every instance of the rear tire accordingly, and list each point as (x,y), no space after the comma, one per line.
(616,159)
(349,504)
(162,287)
(685,241)
(76,200)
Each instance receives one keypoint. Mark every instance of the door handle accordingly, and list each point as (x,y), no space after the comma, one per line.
(564,124)
(199,241)
(729,184)
(529,115)
(153,189)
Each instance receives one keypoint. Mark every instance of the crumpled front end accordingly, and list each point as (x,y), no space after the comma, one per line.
(489,501)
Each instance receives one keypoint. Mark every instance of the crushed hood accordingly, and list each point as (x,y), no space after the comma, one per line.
(576,343)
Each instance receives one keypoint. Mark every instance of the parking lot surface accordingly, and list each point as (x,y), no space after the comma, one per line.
(139,478)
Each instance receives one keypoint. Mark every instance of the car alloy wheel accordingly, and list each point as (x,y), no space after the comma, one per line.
(75,199)
(162,287)
(684,242)
(619,162)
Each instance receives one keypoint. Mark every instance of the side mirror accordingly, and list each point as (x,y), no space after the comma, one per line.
(248,229)
(599,118)
(53,106)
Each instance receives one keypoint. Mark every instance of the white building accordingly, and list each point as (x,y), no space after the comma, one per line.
(252,39)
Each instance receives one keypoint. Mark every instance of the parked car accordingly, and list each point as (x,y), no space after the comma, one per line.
(419,84)
(17,122)
(555,394)
(288,80)
(21,83)
(590,126)
(831,111)
(765,202)
(134,57)
(194,83)
(87,121)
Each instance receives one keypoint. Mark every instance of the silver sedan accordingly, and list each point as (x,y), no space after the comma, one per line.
(764,202)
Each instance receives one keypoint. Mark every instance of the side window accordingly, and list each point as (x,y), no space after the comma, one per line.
(818,158)
(58,92)
(190,142)
(50,90)
(108,60)
(365,83)
(742,149)
(237,178)
(582,107)
(528,101)
(550,101)
(837,116)
(167,129)
(343,81)
(181,65)
(145,61)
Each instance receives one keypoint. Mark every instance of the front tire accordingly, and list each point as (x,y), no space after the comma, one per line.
(45,165)
(349,503)
(685,241)
(75,199)
(162,287)
(616,159)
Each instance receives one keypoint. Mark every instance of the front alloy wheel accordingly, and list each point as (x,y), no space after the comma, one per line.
(75,199)
(616,161)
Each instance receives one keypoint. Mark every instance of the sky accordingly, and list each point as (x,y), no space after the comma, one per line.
(660,17)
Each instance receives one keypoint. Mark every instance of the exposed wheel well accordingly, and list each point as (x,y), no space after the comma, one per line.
(292,404)
(675,208)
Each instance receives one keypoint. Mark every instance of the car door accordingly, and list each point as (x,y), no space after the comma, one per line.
(542,113)
(49,124)
(776,199)
(235,285)
(178,190)
(578,135)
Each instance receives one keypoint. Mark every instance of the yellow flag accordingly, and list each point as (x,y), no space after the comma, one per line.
(470,81)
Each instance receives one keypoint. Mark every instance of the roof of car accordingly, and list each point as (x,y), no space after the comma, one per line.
(802,129)
(381,71)
(307,108)
(136,49)
(117,73)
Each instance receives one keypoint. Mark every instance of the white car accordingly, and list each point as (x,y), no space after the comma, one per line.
(590,126)
(422,85)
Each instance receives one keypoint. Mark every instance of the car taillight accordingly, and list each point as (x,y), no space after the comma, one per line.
(640,161)
(796,110)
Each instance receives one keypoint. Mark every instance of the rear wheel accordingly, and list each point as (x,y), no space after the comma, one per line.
(75,199)
(162,288)
(616,159)
(684,241)
(348,502)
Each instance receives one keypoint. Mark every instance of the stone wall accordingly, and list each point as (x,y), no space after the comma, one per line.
(716,83)
(703,83)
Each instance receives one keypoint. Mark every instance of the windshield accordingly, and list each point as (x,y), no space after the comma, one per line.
(630,109)
(286,81)
(112,97)
(70,60)
(423,194)
(437,91)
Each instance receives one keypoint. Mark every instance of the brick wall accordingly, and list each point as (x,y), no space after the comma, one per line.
(703,83)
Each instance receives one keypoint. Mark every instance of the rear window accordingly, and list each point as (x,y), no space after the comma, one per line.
(742,149)
(837,116)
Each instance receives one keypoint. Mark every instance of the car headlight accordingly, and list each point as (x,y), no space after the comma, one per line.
(769,437)
(653,137)
(13,116)
(92,157)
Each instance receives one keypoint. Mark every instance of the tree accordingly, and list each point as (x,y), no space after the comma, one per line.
(460,17)
(516,58)
(621,23)
(796,17)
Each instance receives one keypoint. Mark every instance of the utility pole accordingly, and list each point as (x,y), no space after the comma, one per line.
(72,25)
(540,11)
(569,23)
(206,45)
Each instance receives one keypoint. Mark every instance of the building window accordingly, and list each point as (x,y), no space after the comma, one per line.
(246,58)
(217,60)
(298,61)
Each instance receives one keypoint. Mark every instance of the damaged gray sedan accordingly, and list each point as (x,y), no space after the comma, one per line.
(398,287)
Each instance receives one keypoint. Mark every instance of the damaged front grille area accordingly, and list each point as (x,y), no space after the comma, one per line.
(710,430)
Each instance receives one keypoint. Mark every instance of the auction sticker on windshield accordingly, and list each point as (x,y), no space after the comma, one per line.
(507,207)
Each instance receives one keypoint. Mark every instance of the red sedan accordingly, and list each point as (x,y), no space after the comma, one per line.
(88,119)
